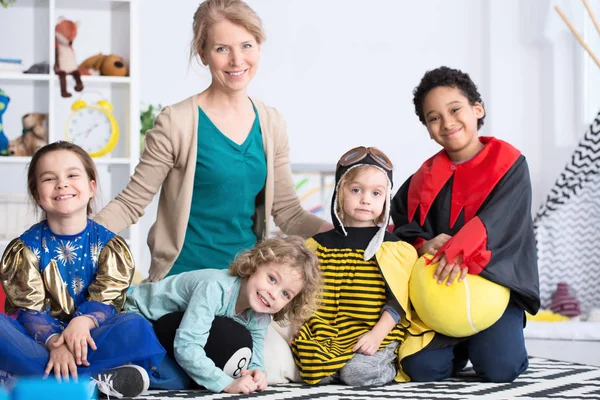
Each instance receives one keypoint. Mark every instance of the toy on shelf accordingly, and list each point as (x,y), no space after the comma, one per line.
(4,100)
(34,137)
(106,65)
(93,127)
(65,62)
(38,68)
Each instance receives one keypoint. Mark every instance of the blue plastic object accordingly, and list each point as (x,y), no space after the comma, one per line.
(4,100)
(38,389)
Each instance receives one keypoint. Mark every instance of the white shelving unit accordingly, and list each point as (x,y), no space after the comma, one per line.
(107,27)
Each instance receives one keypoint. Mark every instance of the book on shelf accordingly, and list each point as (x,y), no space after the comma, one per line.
(11,65)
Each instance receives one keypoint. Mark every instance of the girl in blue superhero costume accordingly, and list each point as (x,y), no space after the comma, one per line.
(65,281)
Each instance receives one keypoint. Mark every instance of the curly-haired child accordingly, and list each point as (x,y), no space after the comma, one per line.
(279,277)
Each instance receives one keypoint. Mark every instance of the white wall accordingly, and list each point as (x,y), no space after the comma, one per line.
(342,73)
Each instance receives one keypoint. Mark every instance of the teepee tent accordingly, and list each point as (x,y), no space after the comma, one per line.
(567,225)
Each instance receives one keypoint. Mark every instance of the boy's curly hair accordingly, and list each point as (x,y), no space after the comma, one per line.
(291,251)
(444,76)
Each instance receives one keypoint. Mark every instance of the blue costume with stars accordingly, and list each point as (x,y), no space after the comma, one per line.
(50,279)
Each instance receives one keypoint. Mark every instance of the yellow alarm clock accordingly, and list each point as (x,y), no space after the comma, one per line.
(93,127)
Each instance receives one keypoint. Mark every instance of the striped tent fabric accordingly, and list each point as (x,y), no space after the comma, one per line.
(567,226)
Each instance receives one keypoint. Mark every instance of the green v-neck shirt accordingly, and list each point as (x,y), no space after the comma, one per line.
(227,180)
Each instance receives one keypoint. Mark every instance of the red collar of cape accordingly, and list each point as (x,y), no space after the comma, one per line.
(473,180)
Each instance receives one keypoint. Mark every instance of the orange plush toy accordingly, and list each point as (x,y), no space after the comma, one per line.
(101,64)
(65,61)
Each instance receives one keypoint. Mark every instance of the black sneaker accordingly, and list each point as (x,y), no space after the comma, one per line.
(124,381)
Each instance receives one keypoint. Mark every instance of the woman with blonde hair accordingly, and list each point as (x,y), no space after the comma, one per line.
(220,158)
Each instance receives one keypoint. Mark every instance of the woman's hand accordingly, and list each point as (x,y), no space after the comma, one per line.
(61,361)
(245,385)
(76,337)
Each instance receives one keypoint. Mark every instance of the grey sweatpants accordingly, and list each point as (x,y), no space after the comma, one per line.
(363,370)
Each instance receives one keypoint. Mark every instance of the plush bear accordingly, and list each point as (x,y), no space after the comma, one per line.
(35,135)
(101,64)
(65,62)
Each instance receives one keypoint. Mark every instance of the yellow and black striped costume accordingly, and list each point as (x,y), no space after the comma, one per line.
(353,296)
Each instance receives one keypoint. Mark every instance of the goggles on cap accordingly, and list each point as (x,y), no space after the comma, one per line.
(356,154)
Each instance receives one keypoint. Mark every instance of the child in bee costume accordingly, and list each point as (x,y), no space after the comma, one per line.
(354,335)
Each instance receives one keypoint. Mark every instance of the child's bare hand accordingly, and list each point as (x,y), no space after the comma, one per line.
(258,377)
(62,362)
(449,270)
(77,338)
(368,344)
(433,245)
(245,385)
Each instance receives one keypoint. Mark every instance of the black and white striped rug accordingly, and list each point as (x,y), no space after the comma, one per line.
(567,226)
(545,379)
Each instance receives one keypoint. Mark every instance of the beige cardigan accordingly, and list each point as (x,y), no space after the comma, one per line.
(169,159)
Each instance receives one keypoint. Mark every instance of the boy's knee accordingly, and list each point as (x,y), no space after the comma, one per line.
(421,370)
(503,371)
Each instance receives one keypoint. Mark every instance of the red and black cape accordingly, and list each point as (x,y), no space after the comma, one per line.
(485,205)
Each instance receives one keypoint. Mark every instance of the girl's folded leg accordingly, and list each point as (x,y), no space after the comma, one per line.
(20,355)
(125,338)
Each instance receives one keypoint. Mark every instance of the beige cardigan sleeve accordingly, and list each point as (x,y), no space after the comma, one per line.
(156,162)
(287,211)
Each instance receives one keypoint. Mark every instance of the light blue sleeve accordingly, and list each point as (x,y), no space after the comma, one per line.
(206,302)
(153,300)
(258,333)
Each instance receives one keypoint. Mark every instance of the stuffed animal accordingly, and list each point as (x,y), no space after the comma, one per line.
(16,147)
(35,135)
(229,344)
(65,63)
(4,100)
(459,310)
(107,65)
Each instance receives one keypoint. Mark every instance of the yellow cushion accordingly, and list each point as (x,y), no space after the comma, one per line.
(459,310)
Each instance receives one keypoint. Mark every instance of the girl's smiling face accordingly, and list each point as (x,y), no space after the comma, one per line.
(270,288)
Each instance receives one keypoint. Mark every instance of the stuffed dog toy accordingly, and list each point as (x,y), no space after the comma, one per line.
(35,135)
